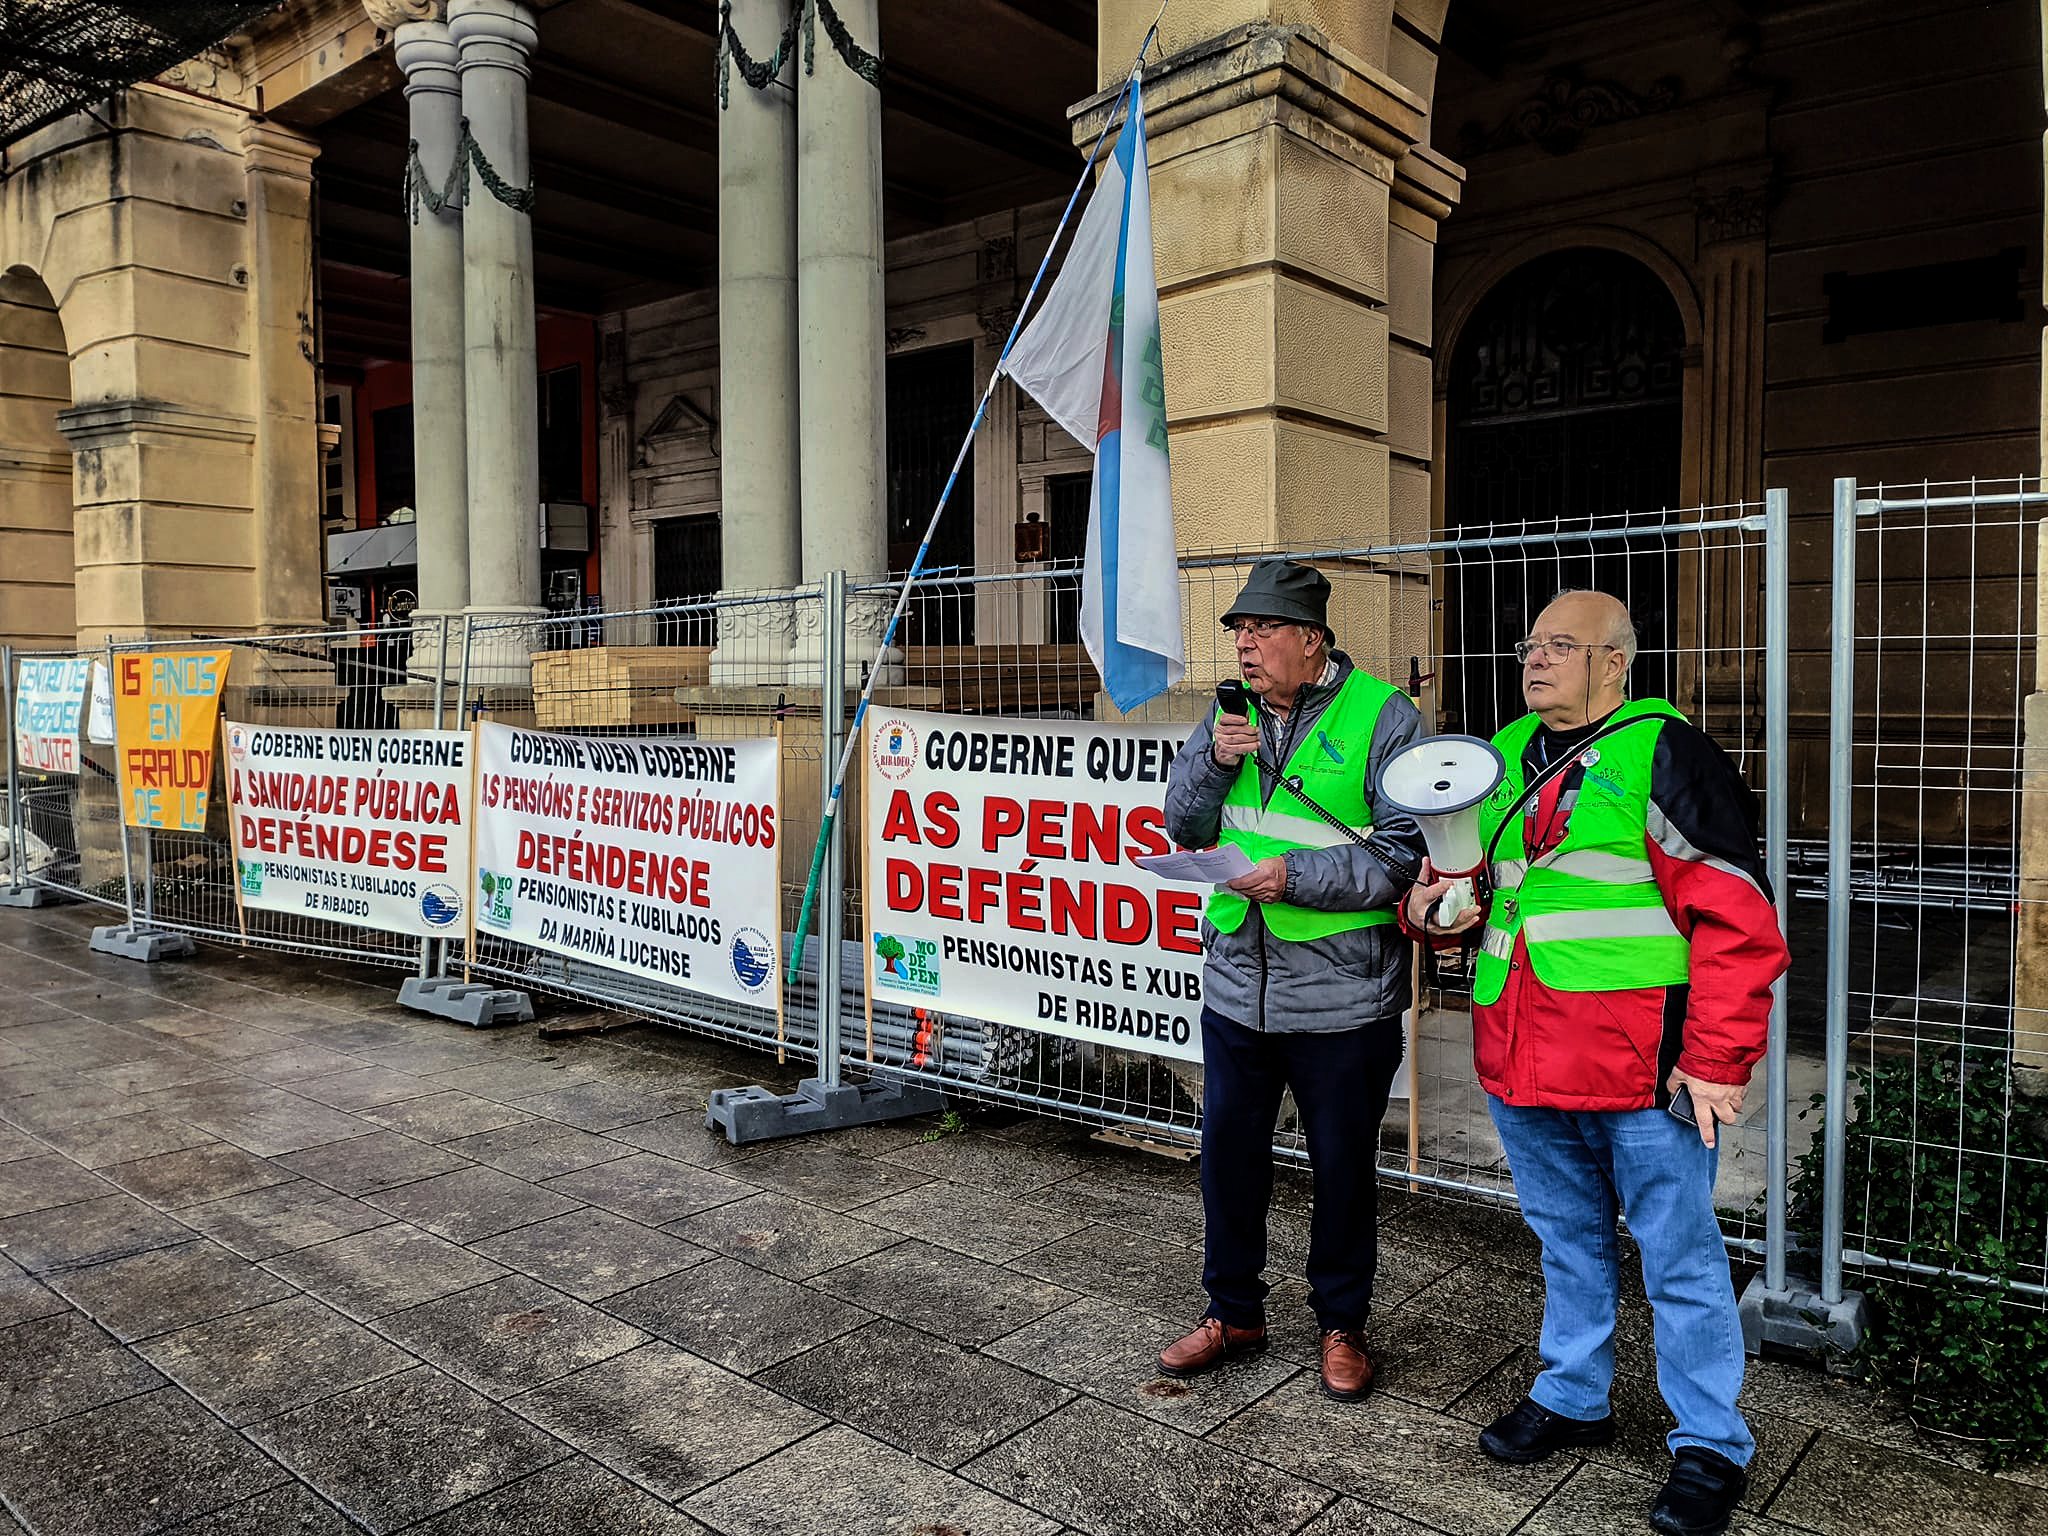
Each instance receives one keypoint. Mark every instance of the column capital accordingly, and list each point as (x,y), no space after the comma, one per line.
(393,14)
(426,53)
(493,34)
(269,146)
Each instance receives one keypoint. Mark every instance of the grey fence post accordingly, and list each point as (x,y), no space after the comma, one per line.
(1777,834)
(475,1003)
(427,948)
(132,940)
(824,1102)
(17,855)
(832,903)
(1776,1309)
(1841,797)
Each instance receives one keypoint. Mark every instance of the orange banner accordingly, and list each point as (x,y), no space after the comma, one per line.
(166,725)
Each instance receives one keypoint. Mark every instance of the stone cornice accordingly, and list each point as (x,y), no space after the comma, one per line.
(95,425)
(1260,60)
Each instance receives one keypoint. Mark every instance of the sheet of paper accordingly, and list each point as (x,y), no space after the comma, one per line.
(1210,866)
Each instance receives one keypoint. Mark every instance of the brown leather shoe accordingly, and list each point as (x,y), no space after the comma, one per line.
(1347,1368)
(1213,1342)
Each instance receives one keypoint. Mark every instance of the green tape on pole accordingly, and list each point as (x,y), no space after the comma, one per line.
(803,918)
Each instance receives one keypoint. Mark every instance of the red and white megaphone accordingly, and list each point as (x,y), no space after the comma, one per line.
(1442,781)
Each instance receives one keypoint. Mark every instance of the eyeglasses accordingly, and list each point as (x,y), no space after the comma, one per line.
(1258,629)
(1556,650)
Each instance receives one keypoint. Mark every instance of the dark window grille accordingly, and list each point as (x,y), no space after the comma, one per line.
(561,434)
(1066,508)
(931,401)
(687,555)
(391,447)
(1565,403)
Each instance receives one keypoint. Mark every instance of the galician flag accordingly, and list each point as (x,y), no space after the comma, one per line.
(1091,358)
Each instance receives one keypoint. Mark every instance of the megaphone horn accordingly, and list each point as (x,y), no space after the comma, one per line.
(1441,781)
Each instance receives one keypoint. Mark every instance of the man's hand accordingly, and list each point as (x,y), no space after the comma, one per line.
(1266,883)
(1713,1104)
(1422,900)
(1235,739)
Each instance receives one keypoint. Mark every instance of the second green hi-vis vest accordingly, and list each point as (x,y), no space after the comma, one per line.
(1590,909)
(1330,763)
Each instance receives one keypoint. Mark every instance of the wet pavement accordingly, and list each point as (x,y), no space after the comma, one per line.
(282,1258)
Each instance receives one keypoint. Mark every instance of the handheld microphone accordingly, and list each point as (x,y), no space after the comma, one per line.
(1233,698)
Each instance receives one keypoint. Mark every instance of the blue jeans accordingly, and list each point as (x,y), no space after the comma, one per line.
(1570,1170)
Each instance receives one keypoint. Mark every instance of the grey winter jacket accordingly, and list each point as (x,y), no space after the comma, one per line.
(1319,985)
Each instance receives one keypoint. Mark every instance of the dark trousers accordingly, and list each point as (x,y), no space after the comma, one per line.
(1340,1082)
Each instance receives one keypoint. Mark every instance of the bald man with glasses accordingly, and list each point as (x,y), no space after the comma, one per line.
(1626,957)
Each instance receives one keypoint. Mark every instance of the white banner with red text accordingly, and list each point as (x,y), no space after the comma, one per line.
(368,828)
(656,856)
(1000,881)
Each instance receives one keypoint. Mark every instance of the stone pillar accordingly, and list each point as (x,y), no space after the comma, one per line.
(759,484)
(1274,154)
(841,349)
(433,97)
(278,175)
(500,383)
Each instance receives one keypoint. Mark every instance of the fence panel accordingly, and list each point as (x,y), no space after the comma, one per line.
(1438,618)
(66,822)
(1942,928)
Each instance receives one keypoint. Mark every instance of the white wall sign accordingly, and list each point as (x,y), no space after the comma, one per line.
(1000,881)
(657,856)
(48,701)
(368,828)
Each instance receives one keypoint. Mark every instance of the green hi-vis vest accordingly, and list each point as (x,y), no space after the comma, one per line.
(1330,765)
(1590,908)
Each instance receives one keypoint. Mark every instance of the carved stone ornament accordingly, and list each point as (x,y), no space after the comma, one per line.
(682,432)
(1731,213)
(902,336)
(996,323)
(211,73)
(997,261)
(1565,109)
(393,14)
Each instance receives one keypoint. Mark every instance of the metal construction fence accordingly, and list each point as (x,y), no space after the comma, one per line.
(1893,1116)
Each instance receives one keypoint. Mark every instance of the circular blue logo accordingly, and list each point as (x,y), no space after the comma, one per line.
(753,959)
(440,905)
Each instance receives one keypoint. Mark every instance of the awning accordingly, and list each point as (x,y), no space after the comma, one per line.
(373,549)
(59,55)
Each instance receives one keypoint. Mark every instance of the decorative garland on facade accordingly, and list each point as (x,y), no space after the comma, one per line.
(803,14)
(454,191)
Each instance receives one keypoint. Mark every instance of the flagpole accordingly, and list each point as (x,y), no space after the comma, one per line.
(853,734)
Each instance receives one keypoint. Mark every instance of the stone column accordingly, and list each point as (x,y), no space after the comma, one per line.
(2030,992)
(495,39)
(278,178)
(841,347)
(433,98)
(759,484)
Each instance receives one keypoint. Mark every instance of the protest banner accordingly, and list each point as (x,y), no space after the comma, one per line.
(49,697)
(99,713)
(657,856)
(367,828)
(166,724)
(1002,883)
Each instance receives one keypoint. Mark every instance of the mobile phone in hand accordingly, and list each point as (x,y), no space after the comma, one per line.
(1680,1107)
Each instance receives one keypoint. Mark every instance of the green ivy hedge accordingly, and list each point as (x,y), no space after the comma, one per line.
(1948,1166)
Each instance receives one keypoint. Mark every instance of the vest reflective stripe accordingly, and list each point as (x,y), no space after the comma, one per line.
(1330,762)
(1614,923)
(1589,912)
(1287,831)
(1597,865)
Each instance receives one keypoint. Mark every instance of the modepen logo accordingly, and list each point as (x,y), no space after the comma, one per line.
(494,905)
(895,749)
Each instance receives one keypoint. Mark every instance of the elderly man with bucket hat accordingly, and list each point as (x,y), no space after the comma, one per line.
(1307,974)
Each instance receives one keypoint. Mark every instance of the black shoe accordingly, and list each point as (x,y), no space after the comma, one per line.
(1700,1495)
(1530,1432)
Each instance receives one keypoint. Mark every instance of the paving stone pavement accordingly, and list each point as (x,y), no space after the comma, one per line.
(278,1257)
